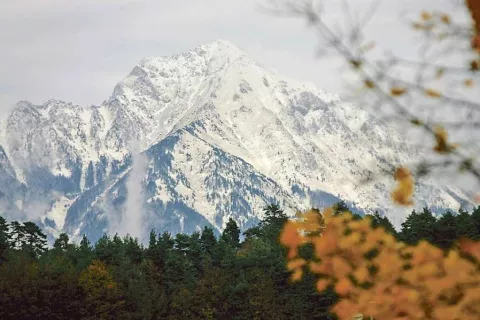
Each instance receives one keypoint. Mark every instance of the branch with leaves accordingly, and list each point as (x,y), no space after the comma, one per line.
(405,90)
(378,276)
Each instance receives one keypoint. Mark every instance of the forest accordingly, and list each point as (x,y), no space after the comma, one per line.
(186,276)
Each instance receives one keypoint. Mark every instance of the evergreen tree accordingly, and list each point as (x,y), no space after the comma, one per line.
(465,225)
(84,254)
(133,250)
(273,215)
(382,221)
(4,238)
(476,221)
(231,234)
(35,241)
(418,226)
(445,230)
(17,235)
(340,207)
(208,240)
(61,243)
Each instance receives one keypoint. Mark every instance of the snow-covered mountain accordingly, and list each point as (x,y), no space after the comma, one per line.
(193,139)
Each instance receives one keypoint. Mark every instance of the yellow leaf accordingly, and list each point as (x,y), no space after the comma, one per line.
(397,91)
(433,93)
(356,63)
(446,18)
(404,191)
(416,122)
(426,15)
(441,137)
(468,83)
(295,264)
(369,84)
(297,275)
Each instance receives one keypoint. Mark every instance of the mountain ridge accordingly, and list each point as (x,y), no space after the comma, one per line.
(304,146)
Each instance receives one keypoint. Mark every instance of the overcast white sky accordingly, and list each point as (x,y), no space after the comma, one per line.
(77,50)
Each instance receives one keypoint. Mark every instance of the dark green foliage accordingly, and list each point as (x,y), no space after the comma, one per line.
(382,221)
(208,241)
(231,234)
(476,221)
(418,226)
(466,226)
(4,239)
(340,207)
(445,230)
(194,276)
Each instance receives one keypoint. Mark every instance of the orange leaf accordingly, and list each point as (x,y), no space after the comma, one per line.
(442,146)
(297,275)
(470,247)
(426,15)
(369,84)
(343,286)
(446,18)
(295,264)
(290,238)
(322,285)
(405,185)
(468,83)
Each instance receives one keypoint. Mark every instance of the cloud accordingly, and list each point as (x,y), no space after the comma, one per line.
(78,50)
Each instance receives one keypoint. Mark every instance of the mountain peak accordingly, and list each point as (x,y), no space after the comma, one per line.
(221,46)
(223,137)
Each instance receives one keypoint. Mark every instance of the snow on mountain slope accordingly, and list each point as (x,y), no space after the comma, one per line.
(222,136)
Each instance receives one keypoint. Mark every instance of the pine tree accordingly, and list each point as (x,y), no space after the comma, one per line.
(133,250)
(84,254)
(382,221)
(340,207)
(4,239)
(231,234)
(273,215)
(17,235)
(465,226)
(61,243)
(35,241)
(208,240)
(445,230)
(418,226)
(476,221)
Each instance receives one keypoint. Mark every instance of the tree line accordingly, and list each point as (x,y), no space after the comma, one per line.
(196,276)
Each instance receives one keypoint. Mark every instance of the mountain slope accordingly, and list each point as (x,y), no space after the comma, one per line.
(194,139)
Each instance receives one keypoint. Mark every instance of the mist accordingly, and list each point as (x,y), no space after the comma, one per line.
(132,213)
